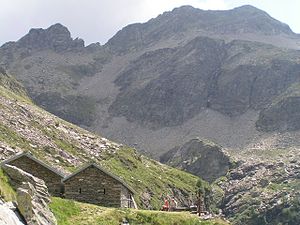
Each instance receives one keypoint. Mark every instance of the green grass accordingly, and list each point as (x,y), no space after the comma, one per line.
(146,175)
(6,191)
(64,210)
(291,185)
(72,213)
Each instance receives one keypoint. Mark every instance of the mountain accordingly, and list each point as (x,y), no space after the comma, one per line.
(230,77)
(225,76)
(26,127)
(245,22)
(260,186)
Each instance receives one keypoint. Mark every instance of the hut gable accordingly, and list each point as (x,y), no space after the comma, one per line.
(94,185)
(37,168)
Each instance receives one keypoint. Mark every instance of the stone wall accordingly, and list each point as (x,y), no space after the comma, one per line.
(52,180)
(126,198)
(93,186)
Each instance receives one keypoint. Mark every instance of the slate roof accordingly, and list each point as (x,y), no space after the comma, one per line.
(102,170)
(28,155)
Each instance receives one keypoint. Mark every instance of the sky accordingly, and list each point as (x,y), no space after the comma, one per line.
(99,20)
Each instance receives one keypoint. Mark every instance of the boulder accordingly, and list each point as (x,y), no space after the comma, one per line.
(8,216)
(32,196)
(57,38)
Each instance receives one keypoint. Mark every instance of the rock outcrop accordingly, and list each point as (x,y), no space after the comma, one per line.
(57,37)
(32,196)
(261,190)
(8,215)
(200,158)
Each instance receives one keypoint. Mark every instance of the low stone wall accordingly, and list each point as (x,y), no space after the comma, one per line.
(126,198)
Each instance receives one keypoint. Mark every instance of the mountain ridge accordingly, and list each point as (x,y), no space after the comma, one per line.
(244,19)
(118,88)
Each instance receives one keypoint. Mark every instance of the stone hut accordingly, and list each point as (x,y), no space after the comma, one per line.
(37,168)
(92,184)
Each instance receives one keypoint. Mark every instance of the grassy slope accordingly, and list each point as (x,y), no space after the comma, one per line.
(69,212)
(9,88)
(6,191)
(144,175)
(156,178)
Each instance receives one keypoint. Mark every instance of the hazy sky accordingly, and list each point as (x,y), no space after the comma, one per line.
(99,20)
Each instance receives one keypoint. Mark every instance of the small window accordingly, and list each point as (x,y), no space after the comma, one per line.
(79,191)
(101,191)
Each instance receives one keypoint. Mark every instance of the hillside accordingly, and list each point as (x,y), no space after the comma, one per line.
(263,188)
(187,73)
(25,127)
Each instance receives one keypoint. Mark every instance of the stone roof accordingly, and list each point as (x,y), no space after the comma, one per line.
(102,170)
(30,156)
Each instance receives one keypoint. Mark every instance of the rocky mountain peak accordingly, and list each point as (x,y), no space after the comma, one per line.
(59,29)
(248,8)
(57,37)
(259,21)
(244,20)
(185,9)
